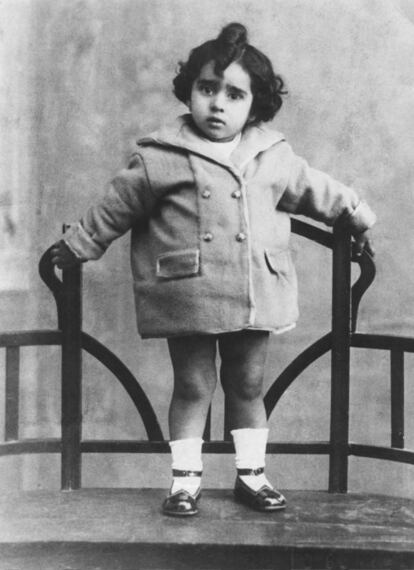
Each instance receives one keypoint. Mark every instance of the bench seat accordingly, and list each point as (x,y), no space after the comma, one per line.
(118,529)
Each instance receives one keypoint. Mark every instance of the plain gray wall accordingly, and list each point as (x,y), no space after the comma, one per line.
(82,80)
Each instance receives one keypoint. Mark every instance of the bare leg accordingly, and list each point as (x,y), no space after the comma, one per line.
(195,378)
(243,356)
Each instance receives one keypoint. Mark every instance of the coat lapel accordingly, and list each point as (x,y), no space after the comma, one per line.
(180,134)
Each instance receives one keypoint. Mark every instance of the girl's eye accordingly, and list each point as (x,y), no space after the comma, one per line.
(207,90)
(235,96)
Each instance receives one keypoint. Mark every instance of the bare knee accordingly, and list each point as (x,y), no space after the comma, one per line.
(193,361)
(249,391)
(194,389)
(246,385)
(243,357)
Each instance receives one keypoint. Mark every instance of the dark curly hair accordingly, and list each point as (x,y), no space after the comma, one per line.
(232,45)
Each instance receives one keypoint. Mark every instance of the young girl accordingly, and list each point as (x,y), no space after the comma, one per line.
(208,200)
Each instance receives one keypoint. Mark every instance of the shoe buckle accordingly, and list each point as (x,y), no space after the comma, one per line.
(183,473)
(258,471)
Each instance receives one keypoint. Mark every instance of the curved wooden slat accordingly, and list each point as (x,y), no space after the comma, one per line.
(106,357)
(292,371)
(48,275)
(323,345)
(103,354)
(128,381)
(364,281)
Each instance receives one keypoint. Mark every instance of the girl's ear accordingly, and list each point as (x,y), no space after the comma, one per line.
(251,119)
(252,116)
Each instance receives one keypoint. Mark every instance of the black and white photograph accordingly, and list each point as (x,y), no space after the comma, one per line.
(206,285)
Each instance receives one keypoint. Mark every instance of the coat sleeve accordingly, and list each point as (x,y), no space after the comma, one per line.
(310,192)
(129,200)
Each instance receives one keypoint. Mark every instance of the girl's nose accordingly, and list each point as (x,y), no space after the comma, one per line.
(217,103)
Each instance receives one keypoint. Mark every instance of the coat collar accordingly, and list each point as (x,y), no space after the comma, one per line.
(255,139)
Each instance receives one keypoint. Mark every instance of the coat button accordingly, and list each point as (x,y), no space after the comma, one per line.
(241,236)
(206,194)
(236,194)
(208,236)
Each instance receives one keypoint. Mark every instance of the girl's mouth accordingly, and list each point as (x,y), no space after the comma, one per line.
(215,121)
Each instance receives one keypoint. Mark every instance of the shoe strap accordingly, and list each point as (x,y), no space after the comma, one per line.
(181,473)
(258,471)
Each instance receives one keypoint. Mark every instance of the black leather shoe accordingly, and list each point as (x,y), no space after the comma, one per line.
(181,504)
(265,499)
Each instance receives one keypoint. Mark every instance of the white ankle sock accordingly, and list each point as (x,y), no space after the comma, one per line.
(186,456)
(250,445)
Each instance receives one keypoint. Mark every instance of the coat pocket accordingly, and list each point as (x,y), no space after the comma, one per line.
(278,262)
(176,264)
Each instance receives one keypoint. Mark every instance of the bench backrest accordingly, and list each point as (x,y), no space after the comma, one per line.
(69,335)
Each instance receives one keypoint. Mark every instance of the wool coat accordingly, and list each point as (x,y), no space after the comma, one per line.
(210,235)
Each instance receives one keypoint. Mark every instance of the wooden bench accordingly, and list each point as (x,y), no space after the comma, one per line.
(92,528)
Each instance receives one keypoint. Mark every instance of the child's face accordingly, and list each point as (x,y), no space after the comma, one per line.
(221,106)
